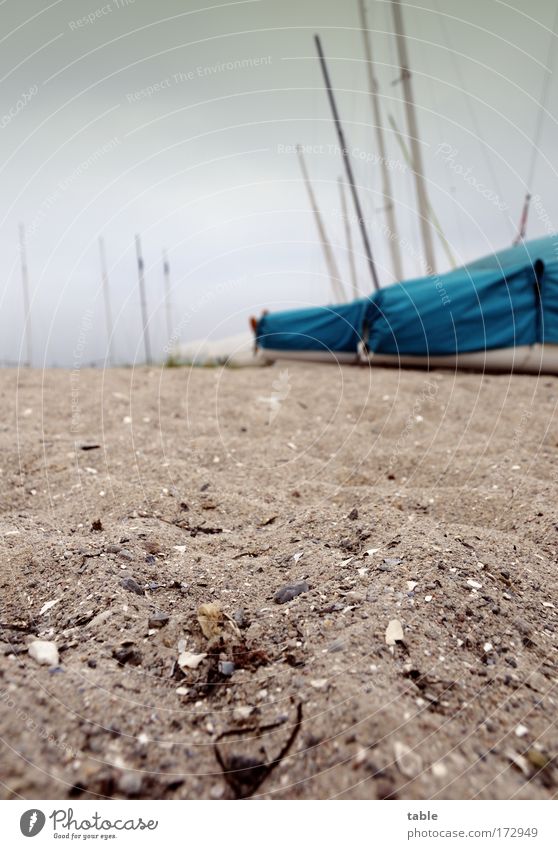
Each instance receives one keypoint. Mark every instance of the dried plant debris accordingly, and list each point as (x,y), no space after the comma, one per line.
(203,529)
(216,625)
(249,658)
(211,620)
(244,773)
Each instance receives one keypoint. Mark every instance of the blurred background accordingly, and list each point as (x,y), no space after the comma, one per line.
(178,120)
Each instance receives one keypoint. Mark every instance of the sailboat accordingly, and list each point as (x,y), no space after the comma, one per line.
(498,313)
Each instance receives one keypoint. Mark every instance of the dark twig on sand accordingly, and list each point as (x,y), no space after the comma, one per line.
(245,774)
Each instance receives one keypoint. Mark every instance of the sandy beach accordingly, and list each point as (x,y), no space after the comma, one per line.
(130,498)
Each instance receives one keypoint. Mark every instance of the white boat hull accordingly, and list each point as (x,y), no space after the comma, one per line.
(525,359)
(272,355)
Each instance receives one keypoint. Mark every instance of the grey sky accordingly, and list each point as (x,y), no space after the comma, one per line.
(176,120)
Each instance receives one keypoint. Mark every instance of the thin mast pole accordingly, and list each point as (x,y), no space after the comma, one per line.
(334,276)
(431,214)
(386,178)
(106,298)
(412,129)
(347,162)
(166,276)
(522,231)
(25,287)
(143,302)
(348,237)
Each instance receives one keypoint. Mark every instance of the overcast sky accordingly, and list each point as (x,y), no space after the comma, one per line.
(176,120)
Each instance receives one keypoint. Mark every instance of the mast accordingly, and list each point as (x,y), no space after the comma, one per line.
(347,162)
(25,287)
(166,276)
(348,237)
(386,178)
(143,302)
(334,276)
(431,214)
(106,298)
(522,230)
(412,130)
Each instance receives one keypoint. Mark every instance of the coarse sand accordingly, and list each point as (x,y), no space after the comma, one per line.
(130,498)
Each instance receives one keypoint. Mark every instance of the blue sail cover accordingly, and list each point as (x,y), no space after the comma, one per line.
(504,300)
(336,328)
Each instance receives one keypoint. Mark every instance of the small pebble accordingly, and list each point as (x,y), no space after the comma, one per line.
(290,591)
(239,617)
(190,660)
(44,652)
(360,757)
(392,561)
(408,761)
(537,759)
(242,712)
(394,632)
(129,784)
(522,626)
(127,655)
(158,619)
(132,585)
(217,791)
(439,770)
